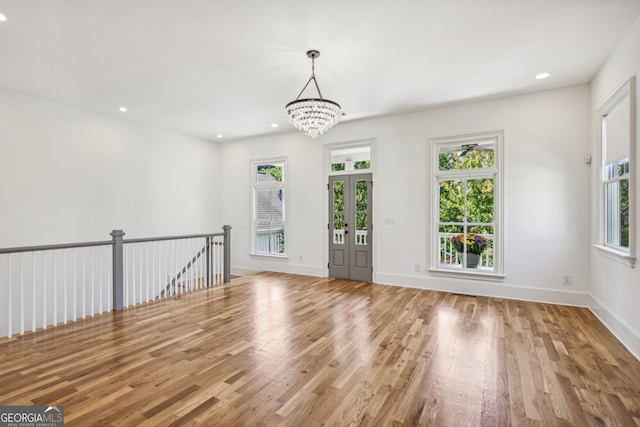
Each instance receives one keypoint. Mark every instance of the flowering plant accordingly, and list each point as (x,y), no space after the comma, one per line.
(476,244)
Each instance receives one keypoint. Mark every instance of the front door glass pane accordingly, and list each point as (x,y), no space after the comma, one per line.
(361,204)
(338,213)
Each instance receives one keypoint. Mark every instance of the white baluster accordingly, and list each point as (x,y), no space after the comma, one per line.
(188,252)
(211,264)
(153,268)
(183,267)
(180,265)
(44,291)
(21,294)
(165,269)
(220,249)
(55,289)
(193,253)
(109,279)
(214,260)
(219,262)
(189,266)
(84,287)
(101,282)
(64,286)
(93,281)
(146,257)
(127,270)
(175,267)
(75,290)
(140,273)
(9,311)
(200,275)
(33,289)
(132,290)
(194,244)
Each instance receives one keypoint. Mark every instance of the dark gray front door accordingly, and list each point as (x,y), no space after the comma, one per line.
(350,234)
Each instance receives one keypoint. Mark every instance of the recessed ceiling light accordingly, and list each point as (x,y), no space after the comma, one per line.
(123,109)
(219,136)
(2,18)
(542,76)
(274,125)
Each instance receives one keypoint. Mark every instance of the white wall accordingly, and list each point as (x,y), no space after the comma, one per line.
(304,215)
(615,288)
(69,175)
(546,194)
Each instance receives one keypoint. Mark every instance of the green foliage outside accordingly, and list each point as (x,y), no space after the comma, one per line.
(479,204)
(617,196)
(274,171)
(624,213)
(365,164)
(360,205)
(280,241)
(474,159)
(338,205)
(337,167)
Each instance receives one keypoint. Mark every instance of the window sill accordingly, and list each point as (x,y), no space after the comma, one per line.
(466,274)
(269,256)
(616,255)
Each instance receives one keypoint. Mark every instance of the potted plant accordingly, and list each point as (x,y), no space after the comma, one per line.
(476,245)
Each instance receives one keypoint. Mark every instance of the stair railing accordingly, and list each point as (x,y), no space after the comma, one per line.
(49,285)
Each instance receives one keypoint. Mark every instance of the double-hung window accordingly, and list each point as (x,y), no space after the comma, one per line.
(617,136)
(466,204)
(269,191)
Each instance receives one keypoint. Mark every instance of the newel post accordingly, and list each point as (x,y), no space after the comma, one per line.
(118,270)
(227,253)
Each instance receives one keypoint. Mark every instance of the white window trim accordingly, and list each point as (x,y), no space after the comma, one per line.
(498,172)
(628,258)
(285,186)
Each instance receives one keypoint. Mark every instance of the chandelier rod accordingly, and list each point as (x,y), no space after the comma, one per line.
(312,55)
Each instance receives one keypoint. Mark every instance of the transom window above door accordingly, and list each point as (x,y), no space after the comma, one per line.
(349,159)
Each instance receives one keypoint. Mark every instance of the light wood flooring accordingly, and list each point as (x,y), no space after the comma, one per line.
(277,349)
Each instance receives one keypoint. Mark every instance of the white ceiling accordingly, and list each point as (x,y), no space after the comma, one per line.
(209,67)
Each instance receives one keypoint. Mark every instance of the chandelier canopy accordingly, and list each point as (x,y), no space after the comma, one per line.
(313,116)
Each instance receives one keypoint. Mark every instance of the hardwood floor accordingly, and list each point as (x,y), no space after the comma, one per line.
(276,349)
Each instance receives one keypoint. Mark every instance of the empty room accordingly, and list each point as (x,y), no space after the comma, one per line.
(290,213)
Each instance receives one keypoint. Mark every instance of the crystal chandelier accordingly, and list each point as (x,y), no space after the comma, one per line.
(313,116)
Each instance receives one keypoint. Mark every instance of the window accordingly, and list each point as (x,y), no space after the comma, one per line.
(616,190)
(269,189)
(466,204)
(617,133)
(351,158)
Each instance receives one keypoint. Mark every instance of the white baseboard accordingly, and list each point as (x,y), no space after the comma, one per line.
(304,270)
(623,332)
(243,271)
(486,288)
